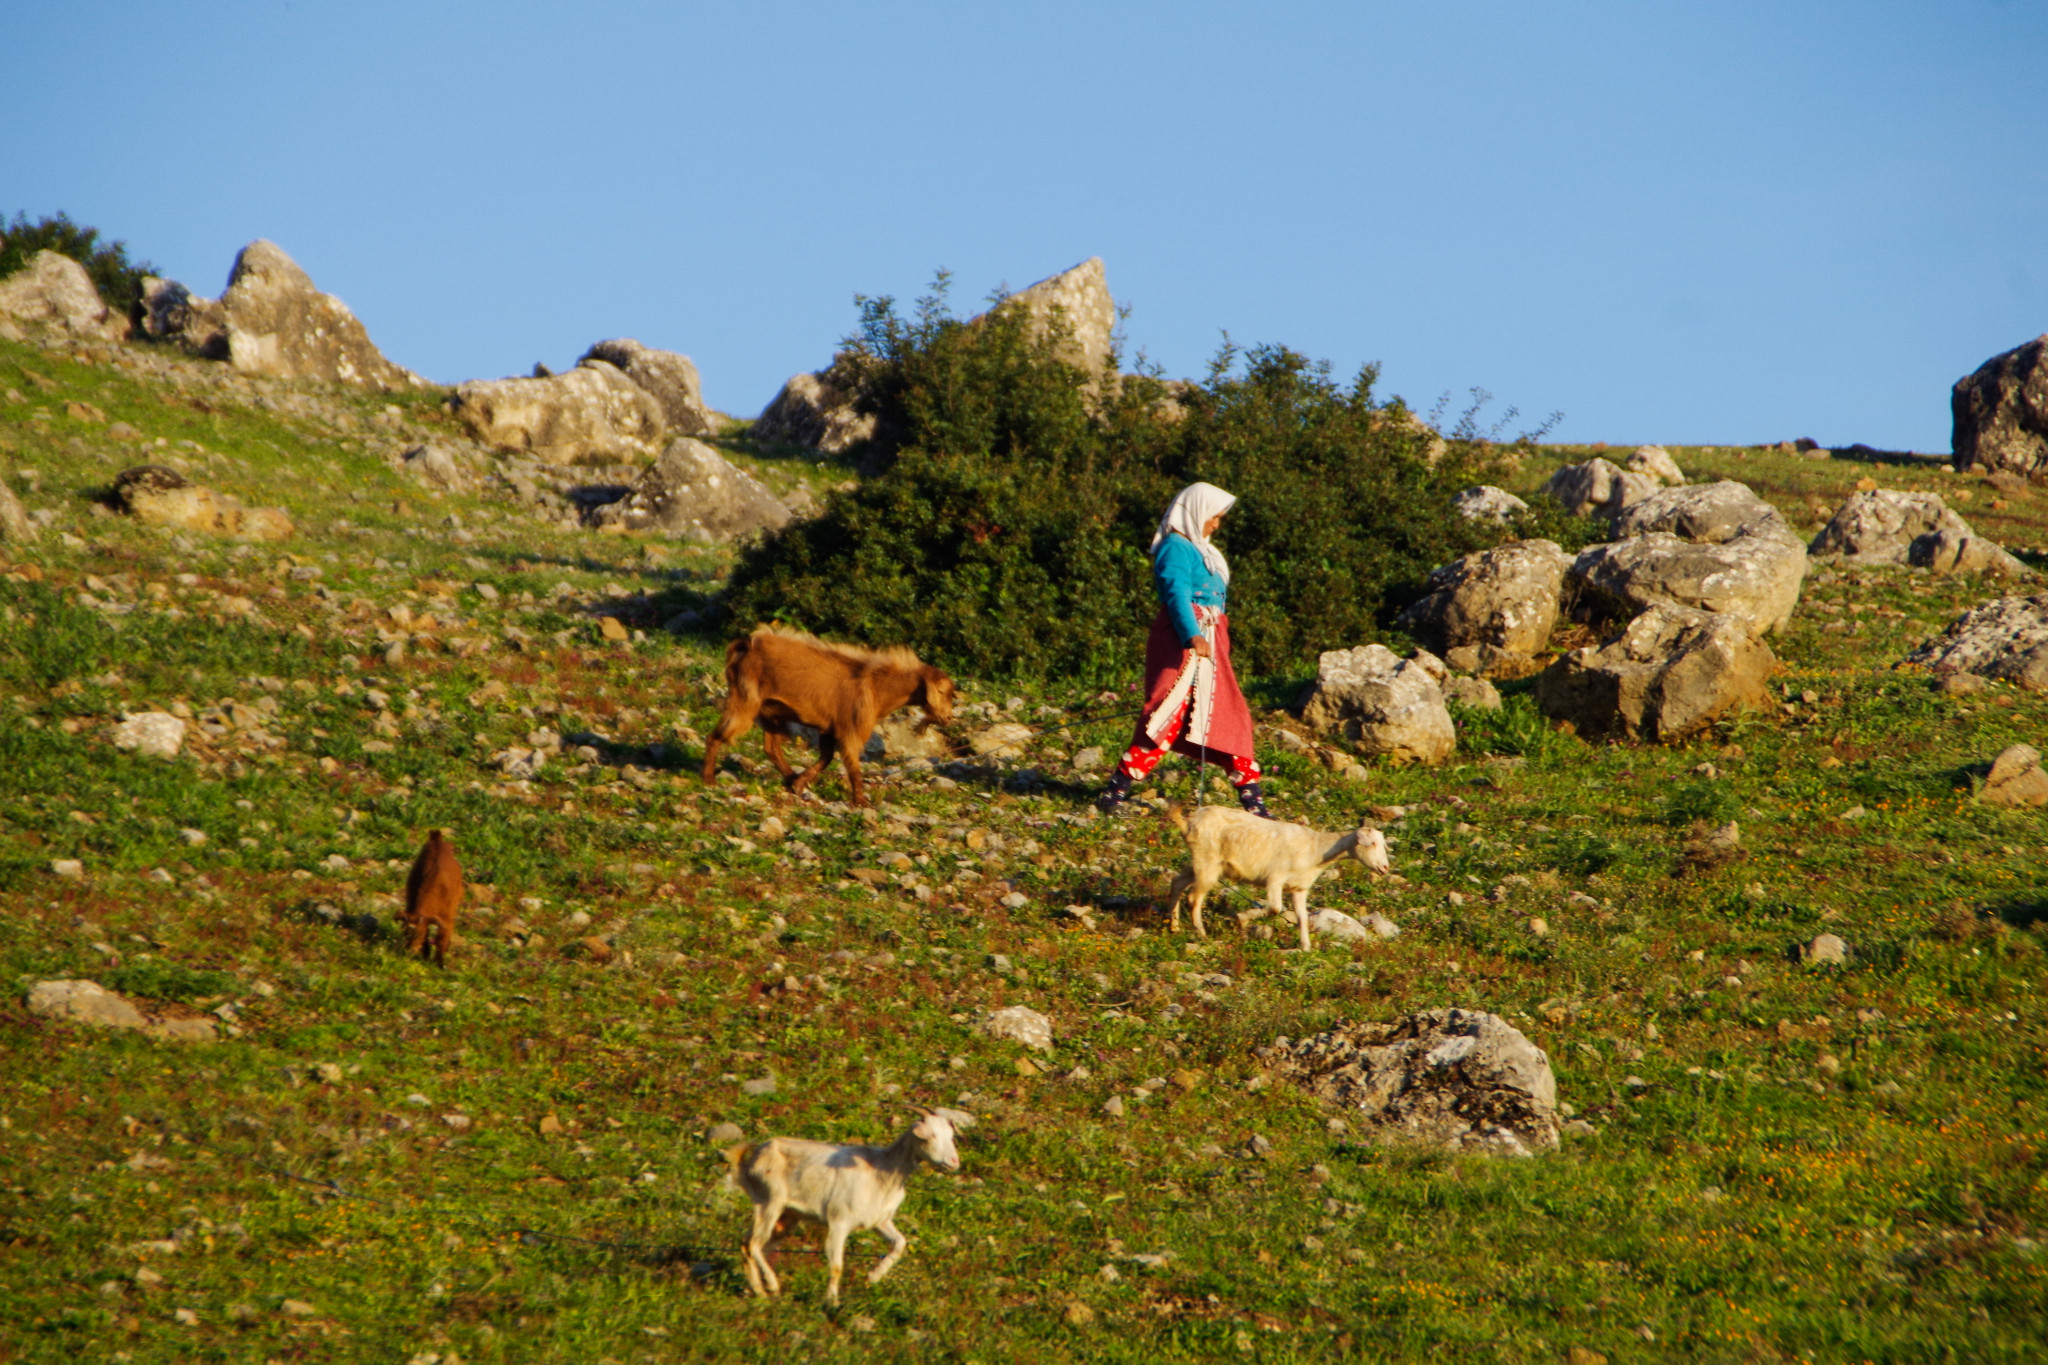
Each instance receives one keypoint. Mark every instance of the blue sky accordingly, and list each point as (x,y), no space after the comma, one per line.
(1725,222)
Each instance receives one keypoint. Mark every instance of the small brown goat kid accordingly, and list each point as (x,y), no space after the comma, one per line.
(431,894)
(782,680)
(1224,842)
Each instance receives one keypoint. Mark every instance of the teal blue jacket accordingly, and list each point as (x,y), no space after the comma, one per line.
(1184,583)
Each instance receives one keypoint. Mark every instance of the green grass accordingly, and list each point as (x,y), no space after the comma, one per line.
(1741,1201)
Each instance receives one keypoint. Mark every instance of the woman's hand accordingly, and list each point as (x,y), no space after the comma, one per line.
(1201,647)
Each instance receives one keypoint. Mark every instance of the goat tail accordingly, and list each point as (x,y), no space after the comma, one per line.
(1177,816)
(734,652)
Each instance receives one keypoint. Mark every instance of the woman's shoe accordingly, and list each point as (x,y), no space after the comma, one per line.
(1253,801)
(1115,794)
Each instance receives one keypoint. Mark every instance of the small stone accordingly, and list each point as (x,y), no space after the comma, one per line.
(1259,1145)
(1579,1128)
(1109,1274)
(185,1317)
(1312,1245)
(1538,926)
(771,830)
(297,1308)
(1079,1314)
(88,1002)
(863,1323)
(1829,1063)
(1580,1355)
(153,734)
(549,1126)
(1185,1079)
(70,869)
(612,628)
(1026,1067)
(328,1072)
(192,838)
(1826,949)
(459,1122)
(725,1133)
(1016,900)
(1113,1107)
(1021,1024)
(595,949)
(145,1278)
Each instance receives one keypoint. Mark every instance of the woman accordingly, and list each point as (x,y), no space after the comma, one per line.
(1192,703)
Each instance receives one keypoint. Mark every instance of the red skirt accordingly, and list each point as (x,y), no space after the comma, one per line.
(1230,719)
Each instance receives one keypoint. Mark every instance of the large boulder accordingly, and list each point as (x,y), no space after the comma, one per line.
(594,412)
(1597,488)
(1484,502)
(279,325)
(2005,639)
(1655,462)
(1505,597)
(1881,524)
(2000,413)
(1717,547)
(1080,299)
(2016,779)
(1386,705)
(85,1002)
(818,411)
(174,314)
(1948,551)
(1458,1079)
(694,491)
(157,496)
(54,290)
(1671,673)
(669,377)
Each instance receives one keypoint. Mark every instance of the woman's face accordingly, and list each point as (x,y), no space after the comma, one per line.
(1209,526)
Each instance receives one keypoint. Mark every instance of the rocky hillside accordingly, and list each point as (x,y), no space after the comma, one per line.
(1725,1046)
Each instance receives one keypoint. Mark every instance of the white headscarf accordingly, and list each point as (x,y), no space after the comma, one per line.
(1189,513)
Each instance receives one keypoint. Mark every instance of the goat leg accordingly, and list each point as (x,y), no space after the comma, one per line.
(898,1244)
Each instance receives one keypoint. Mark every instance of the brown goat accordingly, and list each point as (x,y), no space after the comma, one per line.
(783,680)
(431,894)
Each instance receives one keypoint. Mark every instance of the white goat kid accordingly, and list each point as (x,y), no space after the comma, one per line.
(1223,842)
(847,1188)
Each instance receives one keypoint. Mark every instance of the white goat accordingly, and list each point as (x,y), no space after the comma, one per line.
(1223,842)
(846,1188)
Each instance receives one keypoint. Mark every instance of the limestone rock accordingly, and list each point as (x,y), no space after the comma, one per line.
(15,526)
(1476,694)
(1021,1024)
(1881,524)
(1484,502)
(435,467)
(1597,488)
(173,313)
(694,491)
(1388,706)
(592,412)
(1716,547)
(2016,779)
(1006,739)
(2005,639)
(1458,1079)
(153,734)
(1080,299)
(2000,413)
(818,411)
(88,1002)
(55,290)
(157,496)
(900,736)
(1672,672)
(1946,551)
(666,375)
(279,325)
(1338,925)
(1825,949)
(1655,462)
(1506,597)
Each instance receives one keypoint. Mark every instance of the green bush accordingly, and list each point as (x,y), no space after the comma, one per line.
(118,279)
(1005,531)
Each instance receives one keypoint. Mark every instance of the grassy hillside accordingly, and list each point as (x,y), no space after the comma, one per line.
(509,1161)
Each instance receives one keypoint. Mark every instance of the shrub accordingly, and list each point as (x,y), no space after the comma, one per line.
(1006,530)
(118,279)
